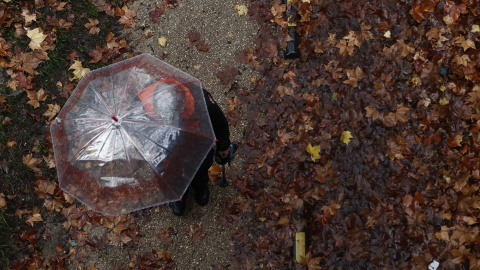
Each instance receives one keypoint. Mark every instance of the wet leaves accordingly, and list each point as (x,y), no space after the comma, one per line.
(404,91)
(227,76)
(196,232)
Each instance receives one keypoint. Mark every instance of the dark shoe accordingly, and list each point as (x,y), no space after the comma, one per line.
(202,195)
(178,208)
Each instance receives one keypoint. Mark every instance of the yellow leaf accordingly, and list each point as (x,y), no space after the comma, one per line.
(36,37)
(475,28)
(387,34)
(444,101)
(242,9)
(346,136)
(162,41)
(334,95)
(314,151)
(78,70)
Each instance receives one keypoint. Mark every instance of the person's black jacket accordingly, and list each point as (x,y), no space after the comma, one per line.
(219,122)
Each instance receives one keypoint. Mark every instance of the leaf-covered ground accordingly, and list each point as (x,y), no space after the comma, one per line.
(370,138)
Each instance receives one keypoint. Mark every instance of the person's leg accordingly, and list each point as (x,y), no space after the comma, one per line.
(178,207)
(200,180)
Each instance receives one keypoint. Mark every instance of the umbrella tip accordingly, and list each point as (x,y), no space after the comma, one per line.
(114,118)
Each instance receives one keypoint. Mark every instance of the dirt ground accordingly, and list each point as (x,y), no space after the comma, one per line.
(227,33)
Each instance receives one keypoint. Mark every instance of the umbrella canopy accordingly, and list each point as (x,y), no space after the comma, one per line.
(132,135)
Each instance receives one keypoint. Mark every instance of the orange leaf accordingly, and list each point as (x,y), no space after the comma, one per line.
(11,143)
(3,203)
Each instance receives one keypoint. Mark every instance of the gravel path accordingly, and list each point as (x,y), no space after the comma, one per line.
(227,33)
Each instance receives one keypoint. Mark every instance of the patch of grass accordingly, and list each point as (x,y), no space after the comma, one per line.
(10,36)
(5,247)
(57,56)
(91,11)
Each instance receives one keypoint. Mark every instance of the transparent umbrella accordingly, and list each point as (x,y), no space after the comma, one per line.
(132,135)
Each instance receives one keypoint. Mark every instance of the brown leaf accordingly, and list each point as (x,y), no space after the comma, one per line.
(455,10)
(36,97)
(202,46)
(35,217)
(52,111)
(311,263)
(43,187)
(196,232)
(155,14)
(11,143)
(126,17)
(91,25)
(3,203)
(227,76)
(31,162)
(193,36)
(354,76)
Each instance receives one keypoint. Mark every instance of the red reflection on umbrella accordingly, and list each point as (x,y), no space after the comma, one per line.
(132,135)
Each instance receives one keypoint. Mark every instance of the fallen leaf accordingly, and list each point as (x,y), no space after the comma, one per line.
(443,101)
(196,232)
(241,9)
(126,17)
(78,70)
(3,202)
(346,136)
(354,76)
(52,111)
(162,41)
(36,97)
(91,25)
(31,162)
(475,28)
(36,38)
(314,152)
(202,46)
(311,263)
(11,143)
(227,76)
(156,13)
(7,121)
(193,36)
(28,17)
(35,217)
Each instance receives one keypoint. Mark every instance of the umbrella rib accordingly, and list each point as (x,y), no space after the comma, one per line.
(154,171)
(103,100)
(127,156)
(125,88)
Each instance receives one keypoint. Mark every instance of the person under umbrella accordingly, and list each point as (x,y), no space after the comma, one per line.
(222,134)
